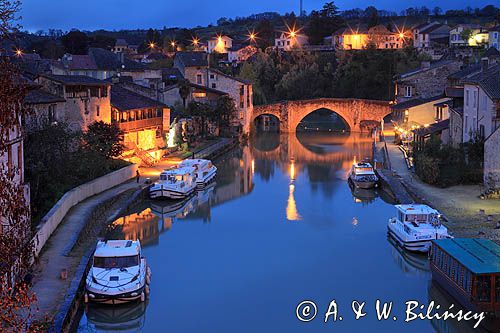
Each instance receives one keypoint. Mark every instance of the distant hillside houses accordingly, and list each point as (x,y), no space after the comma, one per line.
(359,38)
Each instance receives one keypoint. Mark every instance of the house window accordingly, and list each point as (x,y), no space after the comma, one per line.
(407,91)
(467,97)
(466,127)
(98,111)
(474,101)
(51,112)
(20,159)
(481,131)
(199,79)
(242,115)
(9,158)
(212,76)
(214,86)
(439,113)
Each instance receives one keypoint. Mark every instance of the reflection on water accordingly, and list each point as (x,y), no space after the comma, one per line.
(231,253)
(124,318)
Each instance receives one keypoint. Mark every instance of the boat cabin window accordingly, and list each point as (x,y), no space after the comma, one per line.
(172,178)
(363,169)
(116,262)
(419,218)
(483,287)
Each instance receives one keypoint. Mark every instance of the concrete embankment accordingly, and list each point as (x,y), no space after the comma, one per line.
(391,183)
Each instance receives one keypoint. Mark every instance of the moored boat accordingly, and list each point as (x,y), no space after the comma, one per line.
(363,176)
(177,183)
(119,273)
(205,171)
(469,270)
(415,226)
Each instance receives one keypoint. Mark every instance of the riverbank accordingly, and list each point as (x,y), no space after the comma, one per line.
(70,247)
(61,255)
(467,214)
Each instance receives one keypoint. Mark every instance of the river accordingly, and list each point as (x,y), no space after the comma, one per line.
(281,226)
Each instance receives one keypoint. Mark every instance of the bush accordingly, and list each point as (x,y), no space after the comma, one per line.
(56,161)
(427,168)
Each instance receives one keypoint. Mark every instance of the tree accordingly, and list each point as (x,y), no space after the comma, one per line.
(224,112)
(105,139)
(75,42)
(202,112)
(372,14)
(323,23)
(16,301)
(265,34)
(466,34)
(437,11)
(102,41)
(184,90)
(47,151)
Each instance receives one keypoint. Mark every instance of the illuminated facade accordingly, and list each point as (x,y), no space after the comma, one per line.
(475,34)
(287,41)
(87,99)
(144,121)
(220,44)
(378,36)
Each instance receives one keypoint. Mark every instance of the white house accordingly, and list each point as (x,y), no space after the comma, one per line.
(428,34)
(494,37)
(478,36)
(220,44)
(482,102)
(288,40)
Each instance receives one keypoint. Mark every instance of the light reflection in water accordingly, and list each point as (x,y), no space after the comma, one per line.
(291,209)
(229,250)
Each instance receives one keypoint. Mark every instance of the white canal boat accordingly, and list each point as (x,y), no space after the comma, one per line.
(177,183)
(363,176)
(119,273)
(415,226)
(205,171)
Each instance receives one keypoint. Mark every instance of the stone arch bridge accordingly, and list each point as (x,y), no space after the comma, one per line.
(357,113)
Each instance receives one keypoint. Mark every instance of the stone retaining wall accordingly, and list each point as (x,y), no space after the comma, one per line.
(54,217)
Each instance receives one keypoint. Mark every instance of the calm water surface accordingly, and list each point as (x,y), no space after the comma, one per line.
(281,226)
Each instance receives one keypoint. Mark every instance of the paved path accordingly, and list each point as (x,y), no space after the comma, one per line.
(460,204)
(47,284)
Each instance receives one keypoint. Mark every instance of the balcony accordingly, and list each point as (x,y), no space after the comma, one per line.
(135,125)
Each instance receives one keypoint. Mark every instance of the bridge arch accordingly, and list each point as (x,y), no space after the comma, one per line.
(344,122)
(353,111)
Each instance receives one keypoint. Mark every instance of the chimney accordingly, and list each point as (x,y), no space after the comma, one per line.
(484,64)
(425,64)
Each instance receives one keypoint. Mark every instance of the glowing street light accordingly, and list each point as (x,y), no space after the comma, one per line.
(19,52)
(152,45)
(195,41)
(172,43)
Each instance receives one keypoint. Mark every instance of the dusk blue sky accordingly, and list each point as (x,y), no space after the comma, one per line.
(132,14)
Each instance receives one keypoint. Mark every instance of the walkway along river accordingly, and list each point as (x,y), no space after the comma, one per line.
(281,226)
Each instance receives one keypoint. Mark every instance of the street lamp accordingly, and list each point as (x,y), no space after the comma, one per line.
(152,45)
(195,41)
(19,52)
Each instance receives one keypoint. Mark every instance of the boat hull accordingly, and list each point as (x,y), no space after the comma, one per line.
(366,185)
(163,193)
(209,179)
(127,297)
(419,246)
